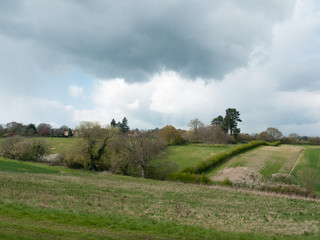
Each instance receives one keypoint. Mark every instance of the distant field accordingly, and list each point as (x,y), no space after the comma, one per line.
(266,160)
(56,144)
(74,204)
(189,155)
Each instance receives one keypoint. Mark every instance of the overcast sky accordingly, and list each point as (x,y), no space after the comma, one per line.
(161,62)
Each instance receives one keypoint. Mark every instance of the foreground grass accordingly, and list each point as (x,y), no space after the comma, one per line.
(86,205)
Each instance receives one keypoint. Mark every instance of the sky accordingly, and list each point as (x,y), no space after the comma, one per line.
(161,62)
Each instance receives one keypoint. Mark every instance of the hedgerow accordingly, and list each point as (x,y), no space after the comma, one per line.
(189,178)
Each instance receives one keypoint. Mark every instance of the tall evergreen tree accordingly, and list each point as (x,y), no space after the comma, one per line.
(230,122)
(113,123)
(124,125)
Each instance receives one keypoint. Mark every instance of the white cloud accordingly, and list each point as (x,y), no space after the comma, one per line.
(75,91)
(28,109)
(266,57)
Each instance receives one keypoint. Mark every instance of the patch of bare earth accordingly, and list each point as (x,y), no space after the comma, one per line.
(237,174)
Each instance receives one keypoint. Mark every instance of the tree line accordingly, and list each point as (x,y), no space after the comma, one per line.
(43,129)
(118,149)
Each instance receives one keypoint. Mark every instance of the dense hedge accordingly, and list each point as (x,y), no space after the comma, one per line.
(189,178)
(220,158)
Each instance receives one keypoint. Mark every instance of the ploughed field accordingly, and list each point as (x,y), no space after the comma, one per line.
(44,202)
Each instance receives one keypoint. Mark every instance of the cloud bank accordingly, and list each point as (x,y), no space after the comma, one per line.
(162,62)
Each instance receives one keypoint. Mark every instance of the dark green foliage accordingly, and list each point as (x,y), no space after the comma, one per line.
(218,159)
(229,123)
(184,177)
(113,123)
(161,169)
(31,130)
(204,179)
(218,121)
(189,178)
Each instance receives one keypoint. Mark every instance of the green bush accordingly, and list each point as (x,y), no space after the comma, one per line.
(184,177)
(8,146)
(204,179)
(24,149)
(226,182)
(161,169)
(222,157)
(77,157)
(189,178)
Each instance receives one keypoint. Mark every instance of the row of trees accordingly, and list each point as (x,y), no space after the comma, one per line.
(108,148)
(42,129)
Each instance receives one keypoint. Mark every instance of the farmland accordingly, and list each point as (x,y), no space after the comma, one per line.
(50,202)
(71,204)
(266,159)
(191,154)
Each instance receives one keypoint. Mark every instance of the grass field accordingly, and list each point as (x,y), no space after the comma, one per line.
(70,204)
(189,155)
(266,159)
(311,159)
(56,144)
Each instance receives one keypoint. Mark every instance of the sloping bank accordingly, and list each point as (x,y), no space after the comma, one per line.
(196,173)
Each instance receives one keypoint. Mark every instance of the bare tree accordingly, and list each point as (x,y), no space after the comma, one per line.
(213,134)
(195,124)
(273,134)
(140,148)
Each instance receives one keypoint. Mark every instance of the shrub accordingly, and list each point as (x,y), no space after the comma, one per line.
(226,182)
(161,169)
(204,179)
(170,135)
(78,157)
(55,159)
(184,177)
(189,178)
(24,149)
(8,146)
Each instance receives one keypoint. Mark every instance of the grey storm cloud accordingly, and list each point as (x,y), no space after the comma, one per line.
(135,39)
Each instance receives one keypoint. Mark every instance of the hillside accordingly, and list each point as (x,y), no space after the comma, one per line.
(69,204)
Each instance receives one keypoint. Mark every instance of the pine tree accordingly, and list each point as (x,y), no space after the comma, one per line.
(113,123)
(124,125)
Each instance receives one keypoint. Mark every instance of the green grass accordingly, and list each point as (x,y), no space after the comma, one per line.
(310,159)
(56,144)
(18,166)
(191,154)
(87,205)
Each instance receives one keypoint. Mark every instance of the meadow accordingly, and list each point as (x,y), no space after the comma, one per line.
(309,159)
(74,204)
(191,154)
